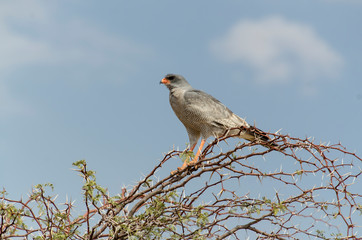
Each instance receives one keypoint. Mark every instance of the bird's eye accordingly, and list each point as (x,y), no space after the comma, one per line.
(171,77)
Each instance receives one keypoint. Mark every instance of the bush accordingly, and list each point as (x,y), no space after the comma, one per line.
(306,190)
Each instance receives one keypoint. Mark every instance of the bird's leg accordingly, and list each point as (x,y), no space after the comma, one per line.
(198,152)
(192,148)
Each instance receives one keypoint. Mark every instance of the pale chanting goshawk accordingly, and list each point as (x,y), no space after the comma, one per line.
(205,116)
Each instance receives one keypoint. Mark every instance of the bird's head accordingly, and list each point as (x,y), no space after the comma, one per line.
(175,81)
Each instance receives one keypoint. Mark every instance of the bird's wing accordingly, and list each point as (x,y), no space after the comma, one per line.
(217,114)
(208,106)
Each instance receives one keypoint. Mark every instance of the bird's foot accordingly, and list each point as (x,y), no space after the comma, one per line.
(192,163)
(179,169)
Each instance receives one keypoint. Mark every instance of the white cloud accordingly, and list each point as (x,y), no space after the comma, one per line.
(31,33)
(90,45)
(278,51)
(34,33)
(29,10)
(17,48)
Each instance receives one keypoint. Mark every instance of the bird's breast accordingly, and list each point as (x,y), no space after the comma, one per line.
(188,115)
(178,103)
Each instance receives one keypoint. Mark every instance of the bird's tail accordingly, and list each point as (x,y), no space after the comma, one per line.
(255,134)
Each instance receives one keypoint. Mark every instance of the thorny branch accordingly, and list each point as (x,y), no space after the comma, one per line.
(296,190)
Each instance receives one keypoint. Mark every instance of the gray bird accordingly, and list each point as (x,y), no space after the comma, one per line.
(205,116)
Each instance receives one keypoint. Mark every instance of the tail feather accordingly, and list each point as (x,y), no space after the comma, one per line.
(253,133)
(257,134)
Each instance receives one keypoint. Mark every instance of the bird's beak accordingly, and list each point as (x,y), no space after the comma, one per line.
(165,81)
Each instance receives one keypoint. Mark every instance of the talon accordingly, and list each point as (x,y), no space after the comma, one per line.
(193,164)
(178,170)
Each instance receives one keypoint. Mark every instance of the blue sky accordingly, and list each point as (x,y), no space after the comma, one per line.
(80,80)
